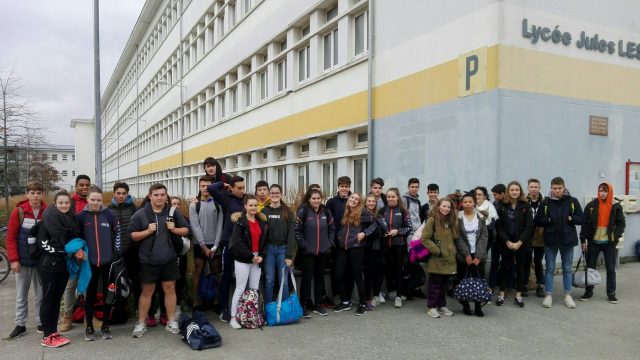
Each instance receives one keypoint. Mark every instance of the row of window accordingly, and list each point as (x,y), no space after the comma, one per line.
(54,157)
(64,173)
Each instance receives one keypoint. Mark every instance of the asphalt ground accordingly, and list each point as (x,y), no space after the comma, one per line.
(595,330)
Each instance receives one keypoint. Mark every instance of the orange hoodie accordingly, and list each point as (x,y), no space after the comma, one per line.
(604,212)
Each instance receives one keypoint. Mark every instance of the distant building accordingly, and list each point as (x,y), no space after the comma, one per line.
(85,144)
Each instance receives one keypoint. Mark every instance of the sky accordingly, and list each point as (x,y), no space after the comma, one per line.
(48,44)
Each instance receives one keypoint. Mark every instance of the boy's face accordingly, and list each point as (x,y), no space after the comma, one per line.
(121,195)
(433,195)
(498,196)
(203,188)
(210,169)
(158,197)
(534,189)
(82,188)
(557,191)
(343,190)
(262,192)
(237,189)
(413,189)
(376,189)
(603,192)
(34,196)
(95,201)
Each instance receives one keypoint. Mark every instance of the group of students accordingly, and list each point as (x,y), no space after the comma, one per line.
(362,237)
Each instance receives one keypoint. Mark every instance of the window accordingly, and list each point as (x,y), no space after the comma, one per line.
(263,85)
(282,75)
(64,173)
(332,13)
(247,6)
(283,152)
(360,33)
(361,138)
(304,149)
(221,25)
(45,157)
(54,157)
(331,49)
(331,143)
(64,157)
(329,177)
(359,175)
(73,157)
(306,30)
(73,173)
(222,107)
(283,45)
(303,176)
(282,177)
(233,94)
(262,174)
(247,93)
(304,66)
(264,156)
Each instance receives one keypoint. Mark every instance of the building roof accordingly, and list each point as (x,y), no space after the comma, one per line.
(83,121)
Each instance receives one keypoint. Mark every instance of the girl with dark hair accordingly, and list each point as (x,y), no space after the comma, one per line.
(373,258)
(515,232)
(314,234)
(281,242)
(439,236)
(58,227)
(396,222)
(471,246)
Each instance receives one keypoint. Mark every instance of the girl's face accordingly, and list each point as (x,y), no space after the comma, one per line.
(95,201)
(354,201)
(251,206)
(315,200)
(480,197)
(275,195)
(63,203)
(392,199)
(175,202)
(468,203)
(371,204)
(444,208)
(514,192)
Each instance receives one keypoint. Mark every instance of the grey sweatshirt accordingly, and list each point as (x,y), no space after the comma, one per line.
(207,225)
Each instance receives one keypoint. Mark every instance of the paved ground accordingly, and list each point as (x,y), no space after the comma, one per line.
(595,330)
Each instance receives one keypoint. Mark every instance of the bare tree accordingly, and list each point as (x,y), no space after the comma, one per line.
(16,118)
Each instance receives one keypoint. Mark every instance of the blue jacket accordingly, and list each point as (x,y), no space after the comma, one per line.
(101,231)
(230,204)
(337,205)
(395,219)
(314,232)
(348,234)
(554,214)
(80,271)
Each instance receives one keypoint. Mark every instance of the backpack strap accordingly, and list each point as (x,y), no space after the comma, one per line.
(21,215)
(198,205)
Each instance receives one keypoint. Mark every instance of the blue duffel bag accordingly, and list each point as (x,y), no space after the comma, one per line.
(287,311)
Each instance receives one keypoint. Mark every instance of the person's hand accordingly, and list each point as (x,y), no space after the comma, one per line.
(569,218)
(15,266)
(257,259)
(584,248)
(468,259)
(171,225)
(152,227)
(79,254)
(517,245)
(227,187)
(360,236)
(393,233)
(207,253)
(213,251)
(288,262)
(476,261)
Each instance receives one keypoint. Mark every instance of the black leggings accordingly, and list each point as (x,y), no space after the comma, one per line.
(372,272)
(53,285)
(313,269)
(92,291)
(510,259)
(355,258)
(395,265)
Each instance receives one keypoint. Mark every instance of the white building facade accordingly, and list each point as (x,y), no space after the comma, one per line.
(85,145)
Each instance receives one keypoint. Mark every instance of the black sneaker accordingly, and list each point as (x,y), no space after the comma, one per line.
(225,316)
(540,292)
(612,298)
(500,301)
(39,329)
(106,333)
(306,314)
(17,332)
(361,310)
(320,311)
(588,294)
(519,301)
(342,307)
(89,334)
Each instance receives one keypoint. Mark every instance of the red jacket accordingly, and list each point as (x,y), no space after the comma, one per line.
(80,203)
(14,231)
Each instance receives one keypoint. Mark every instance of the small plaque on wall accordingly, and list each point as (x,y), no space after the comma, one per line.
(598,125)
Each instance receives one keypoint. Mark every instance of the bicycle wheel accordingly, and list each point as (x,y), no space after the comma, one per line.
(5,267)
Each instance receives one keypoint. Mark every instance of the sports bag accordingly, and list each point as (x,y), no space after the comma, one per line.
(208,285)
(287,311)
(413,275)
(250,314)
(417,251)
(197,332)
(472,289)
(119,282)
(586,277)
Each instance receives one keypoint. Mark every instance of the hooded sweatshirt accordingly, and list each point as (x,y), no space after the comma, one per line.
(123,212)
(206,225)
(230,204)
(412,203)
(17,234)
(604,221)
(559,231)
(56,231)
(101,231)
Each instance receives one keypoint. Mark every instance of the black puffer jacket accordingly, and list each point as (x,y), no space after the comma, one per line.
(56,231)
(241,240)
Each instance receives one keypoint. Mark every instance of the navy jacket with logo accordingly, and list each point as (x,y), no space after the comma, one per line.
(314,232)
(348,234)
(395,219)
(101,231)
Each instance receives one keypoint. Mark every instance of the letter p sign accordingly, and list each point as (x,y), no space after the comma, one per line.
(472,72)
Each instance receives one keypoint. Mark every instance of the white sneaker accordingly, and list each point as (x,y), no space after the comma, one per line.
(139,329)
(172,326)
(381,298)
(547,302)
(433,313)
(568,301)
(398,302)
(234,324)
(444,311)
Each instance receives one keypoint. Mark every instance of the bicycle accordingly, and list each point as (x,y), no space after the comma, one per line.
(5,265)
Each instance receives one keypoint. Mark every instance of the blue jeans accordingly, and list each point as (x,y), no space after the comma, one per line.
(550,254)
(273,264)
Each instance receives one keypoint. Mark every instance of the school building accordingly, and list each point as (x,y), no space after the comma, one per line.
(456,92)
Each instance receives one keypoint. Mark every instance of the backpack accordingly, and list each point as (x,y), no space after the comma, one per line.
(208,285)
(413,275)
(250,313)
(32,243)
(178,243)
(119,278)
(197,332)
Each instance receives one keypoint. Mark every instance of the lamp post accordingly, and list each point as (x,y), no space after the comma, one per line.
(182,192)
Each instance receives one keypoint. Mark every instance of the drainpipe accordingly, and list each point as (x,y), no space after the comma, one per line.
(370,137)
